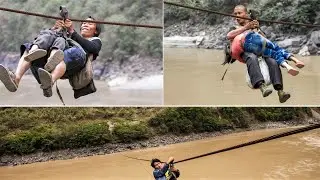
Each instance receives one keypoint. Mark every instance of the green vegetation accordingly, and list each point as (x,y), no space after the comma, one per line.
(131,132)
(279,114)
(187,120)
(301,11)
(28,130)
(118,41)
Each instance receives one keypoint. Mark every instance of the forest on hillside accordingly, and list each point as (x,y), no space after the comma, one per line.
(29,130)
(118,41)
(302,11)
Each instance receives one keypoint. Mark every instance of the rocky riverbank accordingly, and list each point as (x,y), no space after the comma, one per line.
(134,67)
(191,33)
(156,141)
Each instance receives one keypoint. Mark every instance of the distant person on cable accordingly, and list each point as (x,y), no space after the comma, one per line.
(164,170)
(47,60)
(247,45)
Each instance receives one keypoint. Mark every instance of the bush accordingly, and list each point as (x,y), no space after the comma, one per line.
(235,115)
(84,135)
(131,132)
(300,11)
(278,114)
(49,137)
(188,120)
(42,138)
(171,121)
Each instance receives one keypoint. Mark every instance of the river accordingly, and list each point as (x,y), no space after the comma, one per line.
(193,77)
(139,92)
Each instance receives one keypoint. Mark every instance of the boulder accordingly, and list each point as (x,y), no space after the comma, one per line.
(312,47)
(304,51)
(315,38)
(292,42)
(268,30)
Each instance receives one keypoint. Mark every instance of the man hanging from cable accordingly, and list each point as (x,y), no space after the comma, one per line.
(49,67)
(164,170)
(247,45)
(254,42)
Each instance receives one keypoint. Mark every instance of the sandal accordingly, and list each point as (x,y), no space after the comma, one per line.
(55,58)
(46,82)
(35,54)
(8,79)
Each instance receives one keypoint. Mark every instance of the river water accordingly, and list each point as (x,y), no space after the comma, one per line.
(193,77)
(139,92)
(293,157)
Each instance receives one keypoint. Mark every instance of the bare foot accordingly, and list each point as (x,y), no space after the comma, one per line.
(298,63)
(293,72)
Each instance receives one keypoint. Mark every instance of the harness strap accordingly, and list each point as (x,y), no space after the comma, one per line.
(264,44)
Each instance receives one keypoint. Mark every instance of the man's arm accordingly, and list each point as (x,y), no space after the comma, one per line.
(250,25)
(170,160)
(232,34)
(93,46)
(257,26)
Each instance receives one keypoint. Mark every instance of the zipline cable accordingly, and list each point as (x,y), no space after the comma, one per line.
(225,14)
(80,20)
(276,136)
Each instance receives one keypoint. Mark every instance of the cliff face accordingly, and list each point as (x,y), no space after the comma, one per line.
(212,29)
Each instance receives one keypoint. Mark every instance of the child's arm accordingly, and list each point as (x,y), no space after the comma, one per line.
(232,34)
(58,24)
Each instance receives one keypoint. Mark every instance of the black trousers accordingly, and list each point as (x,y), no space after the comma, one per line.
(255,72)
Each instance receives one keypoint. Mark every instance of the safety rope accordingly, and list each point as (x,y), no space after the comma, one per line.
(277,136)
(135,158)
(81,20)
(225,14)
(139,162)
(59,94)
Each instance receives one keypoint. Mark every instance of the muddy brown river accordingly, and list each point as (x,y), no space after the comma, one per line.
(193,77)
(130,93)
(294,157)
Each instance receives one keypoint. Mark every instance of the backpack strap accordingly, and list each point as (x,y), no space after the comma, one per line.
(82,78)
(82,82)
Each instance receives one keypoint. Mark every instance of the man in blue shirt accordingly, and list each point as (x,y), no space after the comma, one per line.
(164,170)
